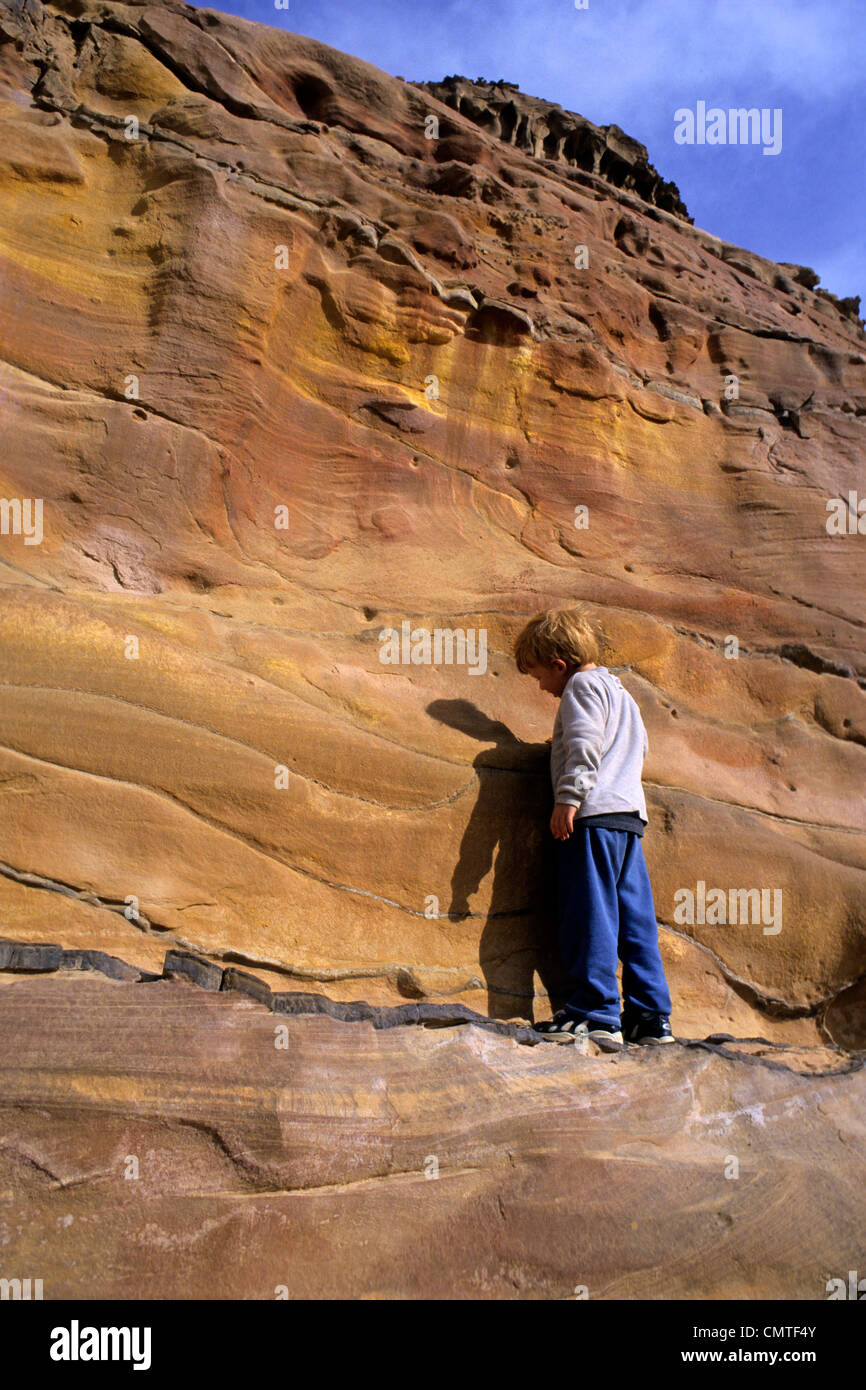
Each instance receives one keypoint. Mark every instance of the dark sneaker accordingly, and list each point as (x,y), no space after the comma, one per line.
(646,1028)
(565,1028)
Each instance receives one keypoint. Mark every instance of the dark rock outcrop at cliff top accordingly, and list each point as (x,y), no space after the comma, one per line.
(547,131)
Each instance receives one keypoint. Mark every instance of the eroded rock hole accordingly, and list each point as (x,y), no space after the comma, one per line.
(314,98)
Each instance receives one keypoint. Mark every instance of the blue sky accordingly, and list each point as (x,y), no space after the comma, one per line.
(634,63)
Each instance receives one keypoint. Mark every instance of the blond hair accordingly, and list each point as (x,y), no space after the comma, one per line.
(560,633)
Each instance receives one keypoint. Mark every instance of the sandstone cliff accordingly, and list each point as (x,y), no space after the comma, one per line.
(296,352)
(160,1141)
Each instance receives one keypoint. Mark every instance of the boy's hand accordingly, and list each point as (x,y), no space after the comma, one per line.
(562,820)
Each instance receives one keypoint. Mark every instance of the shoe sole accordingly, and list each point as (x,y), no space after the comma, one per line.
(650,1042)
(598,1037)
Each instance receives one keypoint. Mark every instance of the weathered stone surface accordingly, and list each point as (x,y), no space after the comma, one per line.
(99,960)
(21,956)
(246,983)
(165,387)
(201,972)
(159,1141)
(545,131)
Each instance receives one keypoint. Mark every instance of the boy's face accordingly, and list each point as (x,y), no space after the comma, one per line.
(553,678)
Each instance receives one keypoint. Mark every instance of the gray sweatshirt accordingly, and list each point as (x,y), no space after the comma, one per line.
(599,745)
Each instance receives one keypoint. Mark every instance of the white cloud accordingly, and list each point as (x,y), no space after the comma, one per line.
(617,55)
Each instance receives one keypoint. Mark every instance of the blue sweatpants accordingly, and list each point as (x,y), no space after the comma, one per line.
(605,909)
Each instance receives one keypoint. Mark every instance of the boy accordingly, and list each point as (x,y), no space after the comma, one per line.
(604,898)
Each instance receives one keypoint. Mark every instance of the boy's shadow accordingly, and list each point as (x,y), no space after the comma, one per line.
(512,810)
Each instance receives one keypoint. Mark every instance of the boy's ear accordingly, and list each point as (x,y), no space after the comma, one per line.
(558,663)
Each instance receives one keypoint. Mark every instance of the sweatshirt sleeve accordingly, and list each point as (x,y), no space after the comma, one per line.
(583,717)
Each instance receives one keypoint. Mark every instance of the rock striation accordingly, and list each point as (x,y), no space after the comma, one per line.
(163,1141)
(283,374)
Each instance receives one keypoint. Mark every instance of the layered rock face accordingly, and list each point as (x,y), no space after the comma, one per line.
(163,1142)
(296,353)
